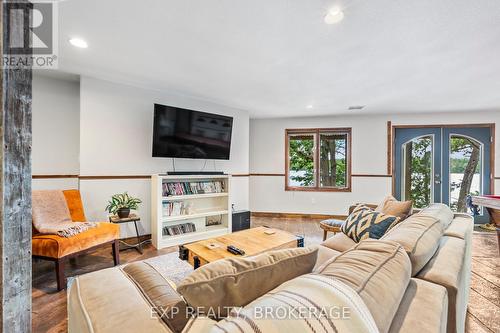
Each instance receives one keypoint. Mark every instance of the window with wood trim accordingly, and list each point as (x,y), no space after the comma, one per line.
(318,159)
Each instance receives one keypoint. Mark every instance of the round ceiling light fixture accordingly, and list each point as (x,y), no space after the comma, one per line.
(78,42)
(334,15)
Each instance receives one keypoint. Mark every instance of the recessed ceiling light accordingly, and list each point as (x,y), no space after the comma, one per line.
(78,42)
(334,15)
(310,106)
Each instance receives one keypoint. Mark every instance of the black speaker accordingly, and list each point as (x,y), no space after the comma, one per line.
(241,220)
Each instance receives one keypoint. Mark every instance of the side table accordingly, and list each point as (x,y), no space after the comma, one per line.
(131,218)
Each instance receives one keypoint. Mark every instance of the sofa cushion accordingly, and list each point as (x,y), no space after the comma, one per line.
(234,282)
(364,223)
(339,242)
(54,246)
(75,205)
(308,303)
(461,226)
(161,294)
(446,268)
(324,254)
(108,301)
(439,211)
(419,235)
(376,270)
(393,206)
(424,305)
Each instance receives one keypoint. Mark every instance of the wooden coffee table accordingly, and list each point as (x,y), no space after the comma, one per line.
(252,241)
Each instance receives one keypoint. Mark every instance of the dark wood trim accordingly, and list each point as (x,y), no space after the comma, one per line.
(389,148)
(298,215)
(352,175)
(53,176)
(372,176)
(393,162)
(115,177)
(105,177)
(316,132)
(486,125)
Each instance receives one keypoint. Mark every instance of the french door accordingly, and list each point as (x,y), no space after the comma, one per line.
(443,164)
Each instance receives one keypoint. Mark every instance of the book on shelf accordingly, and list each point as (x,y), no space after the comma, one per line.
(178,229)
(187,188)
(176,208)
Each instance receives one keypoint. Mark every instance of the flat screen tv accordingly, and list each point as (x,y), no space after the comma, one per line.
(186,133)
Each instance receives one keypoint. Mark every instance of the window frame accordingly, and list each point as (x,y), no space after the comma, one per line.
(316,132)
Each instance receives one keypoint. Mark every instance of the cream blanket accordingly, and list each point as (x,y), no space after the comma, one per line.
(51,215)
(309,303)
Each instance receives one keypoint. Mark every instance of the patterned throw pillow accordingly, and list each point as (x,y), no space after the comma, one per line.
(365,223)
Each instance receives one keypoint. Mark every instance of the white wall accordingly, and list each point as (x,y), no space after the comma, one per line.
(116,123)
(369,156)
(56,131)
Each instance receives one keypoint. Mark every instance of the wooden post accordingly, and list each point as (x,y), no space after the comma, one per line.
(15,188)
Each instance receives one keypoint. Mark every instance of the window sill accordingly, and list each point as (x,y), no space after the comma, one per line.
(318,189)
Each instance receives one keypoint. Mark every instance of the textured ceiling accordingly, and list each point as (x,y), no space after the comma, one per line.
(273,58)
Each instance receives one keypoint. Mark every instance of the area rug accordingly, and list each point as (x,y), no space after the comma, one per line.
(171,267)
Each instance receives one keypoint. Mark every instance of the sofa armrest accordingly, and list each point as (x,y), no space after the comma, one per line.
(161,293)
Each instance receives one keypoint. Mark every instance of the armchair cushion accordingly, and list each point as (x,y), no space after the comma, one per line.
(75,205)
(54,246)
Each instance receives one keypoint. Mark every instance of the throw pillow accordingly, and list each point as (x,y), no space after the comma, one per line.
(214,288)
(392,206)
(365,223)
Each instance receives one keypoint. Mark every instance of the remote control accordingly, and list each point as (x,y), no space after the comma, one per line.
(234,250)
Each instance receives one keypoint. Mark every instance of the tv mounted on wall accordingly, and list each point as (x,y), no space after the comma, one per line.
(186,133)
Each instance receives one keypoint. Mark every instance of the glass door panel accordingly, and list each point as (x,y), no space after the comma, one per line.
(418,171)
(467,168)
(417,165)
(465,171)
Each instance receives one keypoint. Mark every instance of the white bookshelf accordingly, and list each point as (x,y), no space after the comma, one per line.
(203,207)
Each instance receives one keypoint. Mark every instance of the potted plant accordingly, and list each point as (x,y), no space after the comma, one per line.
(121,204)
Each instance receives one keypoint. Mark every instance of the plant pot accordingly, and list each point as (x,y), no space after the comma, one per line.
(123,213)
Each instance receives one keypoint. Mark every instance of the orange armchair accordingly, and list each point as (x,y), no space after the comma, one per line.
(59,249)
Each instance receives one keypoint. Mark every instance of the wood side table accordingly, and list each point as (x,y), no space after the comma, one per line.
(131,218)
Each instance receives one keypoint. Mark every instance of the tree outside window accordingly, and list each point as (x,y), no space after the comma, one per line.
(318,159)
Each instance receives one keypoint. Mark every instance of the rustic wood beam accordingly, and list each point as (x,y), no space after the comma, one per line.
(15,184)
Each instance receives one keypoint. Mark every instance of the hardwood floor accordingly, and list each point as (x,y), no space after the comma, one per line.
(49,305)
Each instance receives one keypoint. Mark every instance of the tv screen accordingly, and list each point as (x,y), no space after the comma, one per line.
(186,133)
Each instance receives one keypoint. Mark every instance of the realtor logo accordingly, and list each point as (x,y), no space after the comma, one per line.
(31,38)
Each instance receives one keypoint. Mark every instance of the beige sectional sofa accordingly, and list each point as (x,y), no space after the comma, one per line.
(414,279)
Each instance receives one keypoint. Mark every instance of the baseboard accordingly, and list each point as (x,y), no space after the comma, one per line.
(133,239)
(299,215)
